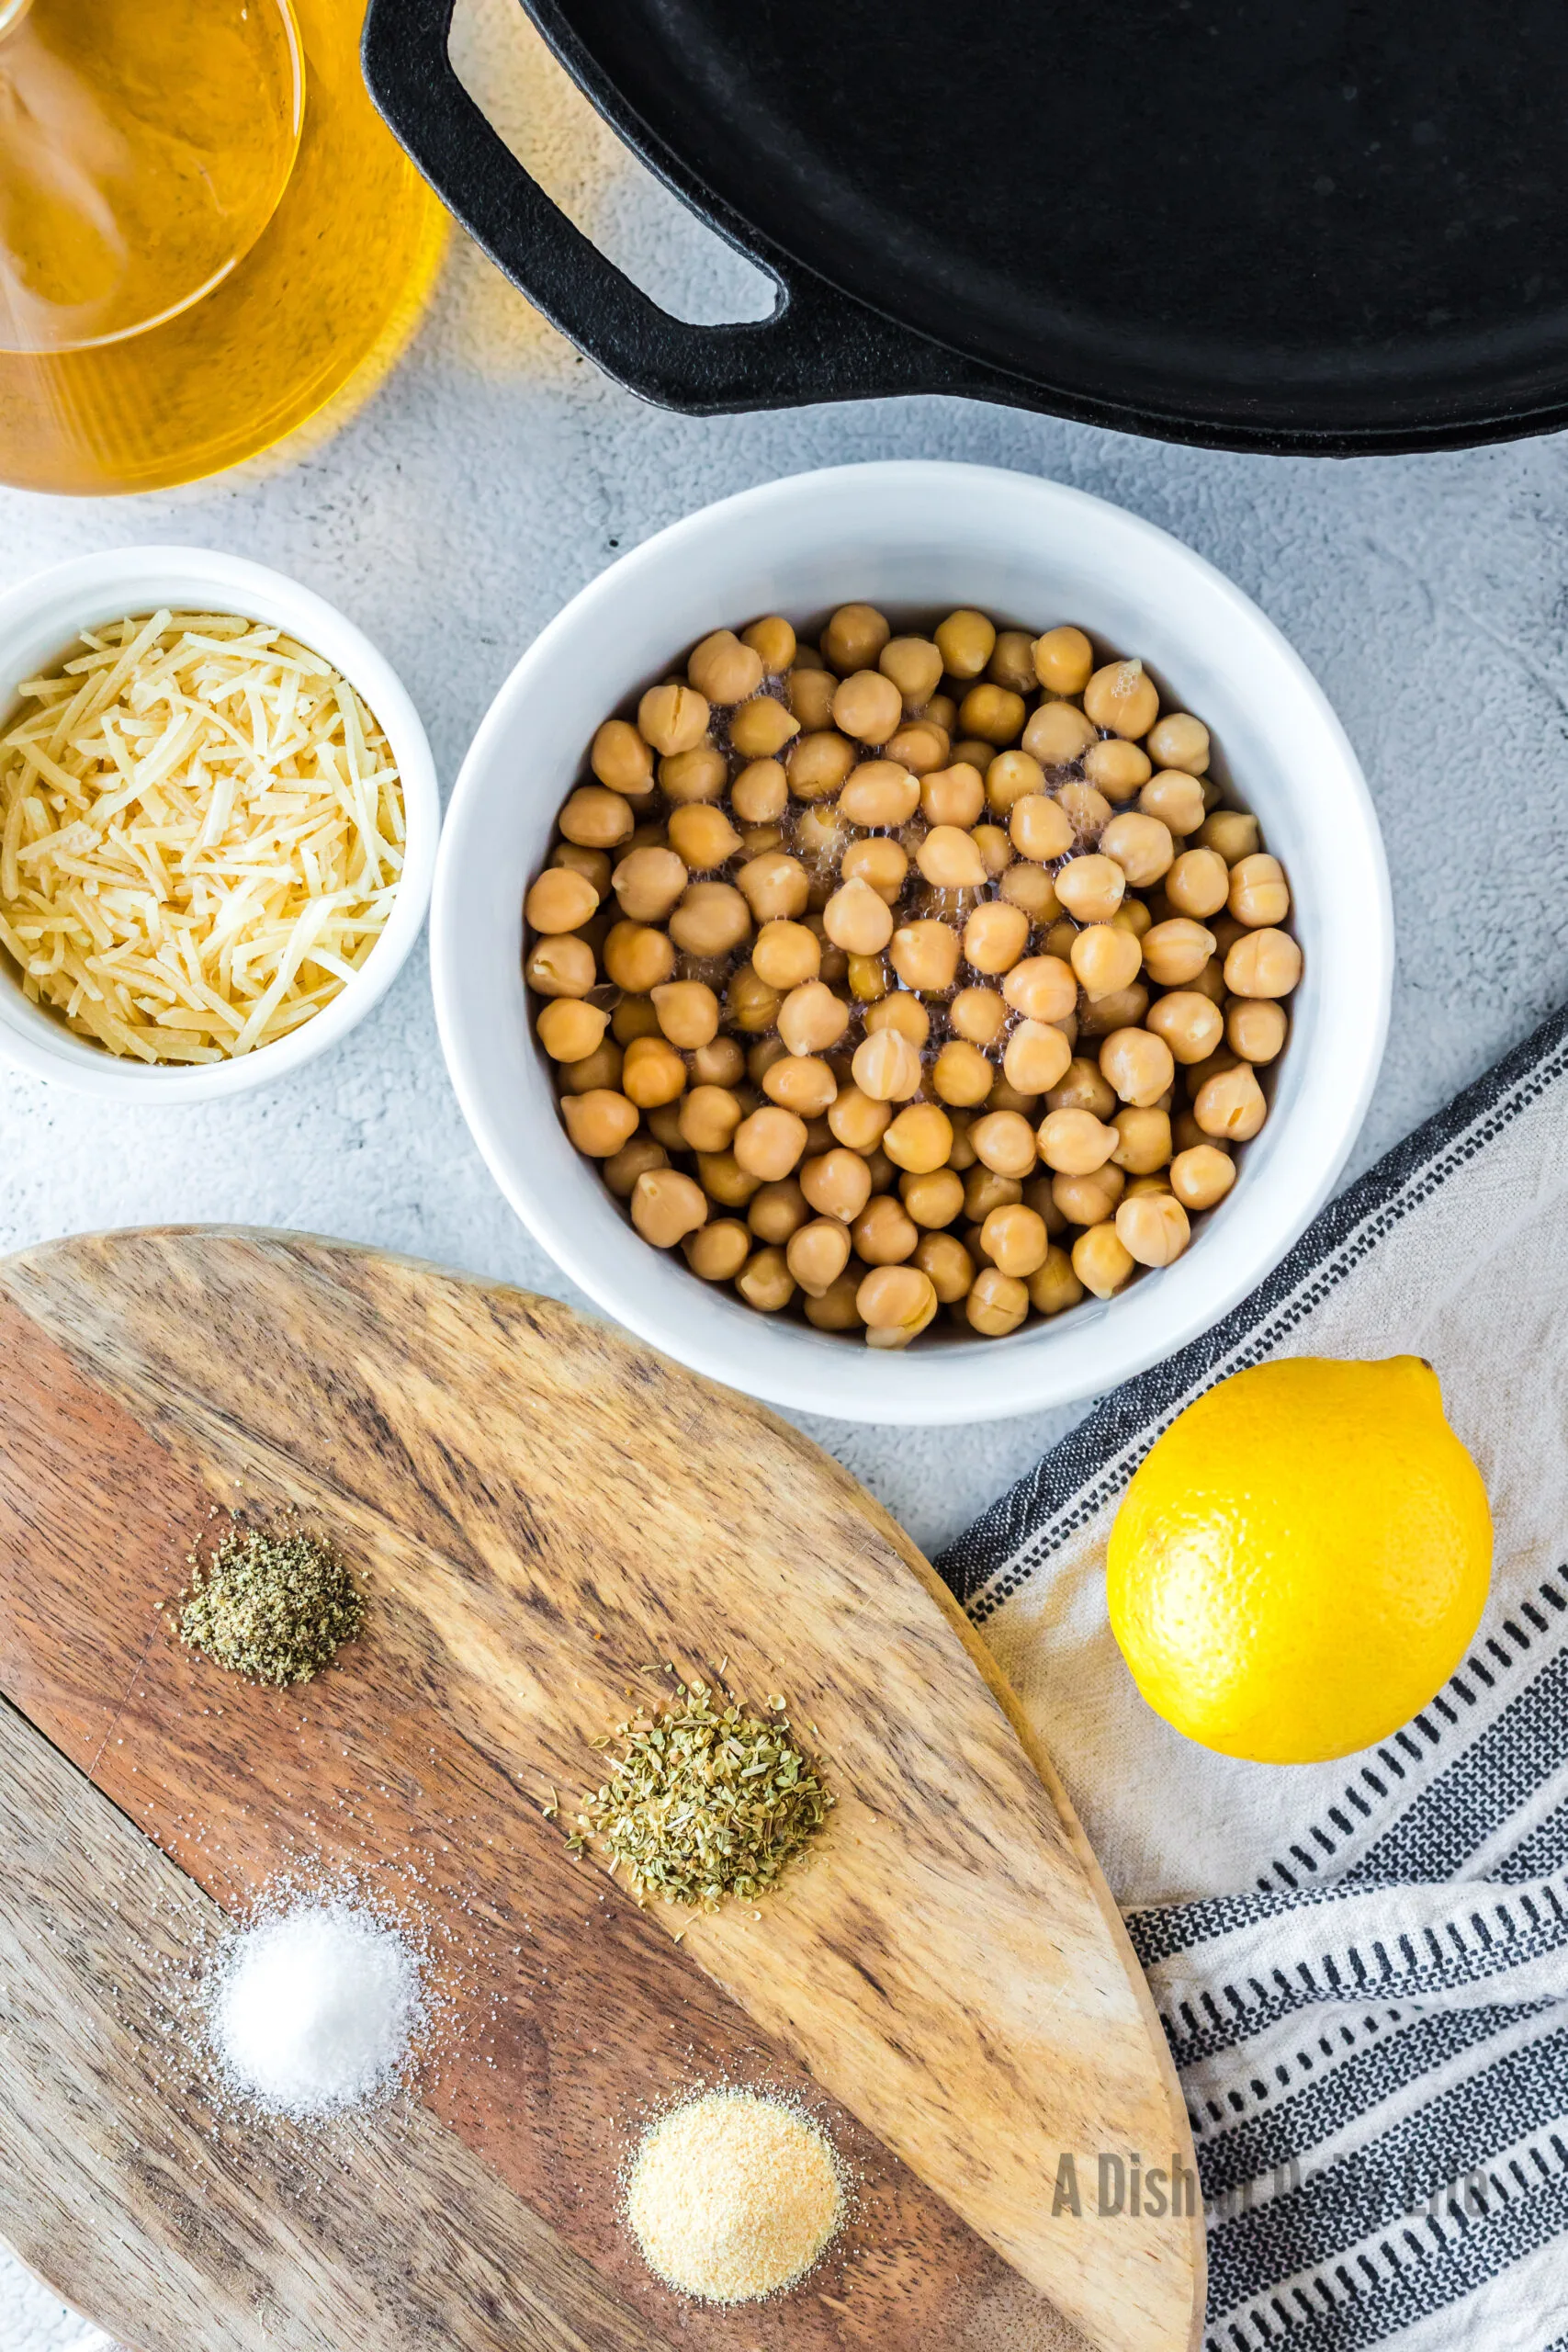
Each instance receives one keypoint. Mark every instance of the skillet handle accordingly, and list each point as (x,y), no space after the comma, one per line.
(817,344)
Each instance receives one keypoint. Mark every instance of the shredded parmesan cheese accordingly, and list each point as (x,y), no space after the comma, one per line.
(201,834)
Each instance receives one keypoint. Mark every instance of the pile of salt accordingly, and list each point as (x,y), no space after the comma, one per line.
(314,2008)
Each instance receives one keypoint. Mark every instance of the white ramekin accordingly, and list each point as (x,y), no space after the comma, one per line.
(40,621)
(914,537)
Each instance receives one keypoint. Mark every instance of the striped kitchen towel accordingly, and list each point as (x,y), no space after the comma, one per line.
(1362,1966)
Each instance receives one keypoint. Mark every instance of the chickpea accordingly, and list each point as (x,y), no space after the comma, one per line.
(1043,987)
(1232,833)
(1087,1200)
(992,714)
(648,882)
(703,837)
(709,1116)
(953,797)
(918,1139)
(750,1004)
(601,1068)
(854,638)
(802,1083)
(1012,662)
(638,958)
(1144,1145)
(1116,768)
(1074,1143)
(978,1015)
(817,765)
(886,1067)
(765,1282)
(859,1120)
(966,640)
(1005,1096)
(666,1206)
(920,747)
(1153,1228)
(635,1016)
(760,728)
(777,1211)
(620,758)
(985,1190)
(996,1304)
(1060,937)
(1039,827)
(1064,661)
(653,1074)
(1101,1262)
(1014,1238)
(1142,847)
(1176,952)
(1032,890)
(901,1011)
(718,1251)
(1211,981)
(835,1309)
(925,956)
(950,1268)
(672,717)
(770,1142)
(817,1255)
(1258,892)
(1122,1008)
(1055,1287)
(600,1122)
(687,1012)
(1176,799)
(1004,1143)
(1202,1176)
(1087,811)
(884,1234)
(718,1063)
(914,665)
(1122,699)
(961,1074)
(724,670)
(995,936)
(1010,778)
(1091,888)
(1255,1028)
(1106,959)
(561,966)
(623,1168)
(559,901)
(811,696)
(1230,1105)
(570,1030)
(595,818)
(878,794)
(1199,883)
(772,640)
(787,956)
(1197,1077)
(1263,963)
(1179,741)
(774,885)
(1190,1023)
(695,777)
(868,707)
(895,1303)
(836,1183)
(1037,1057)
(812,1019)
(881,864)
(1057,734)
(725,1181)
(1139,1065)
(933,1197)
(712,919)
(594,864)
(760,794)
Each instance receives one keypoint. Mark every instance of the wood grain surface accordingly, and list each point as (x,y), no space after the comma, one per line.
(542,1511)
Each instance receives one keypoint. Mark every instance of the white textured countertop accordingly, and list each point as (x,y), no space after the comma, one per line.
(495,472)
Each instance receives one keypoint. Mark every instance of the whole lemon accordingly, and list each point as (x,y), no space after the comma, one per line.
(1302,1560)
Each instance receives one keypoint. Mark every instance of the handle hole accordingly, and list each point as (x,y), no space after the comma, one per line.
(605,190)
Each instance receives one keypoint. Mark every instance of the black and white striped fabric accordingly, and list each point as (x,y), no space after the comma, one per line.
(1362,1967)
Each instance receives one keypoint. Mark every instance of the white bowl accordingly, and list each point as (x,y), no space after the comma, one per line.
(915,538)
(39,622)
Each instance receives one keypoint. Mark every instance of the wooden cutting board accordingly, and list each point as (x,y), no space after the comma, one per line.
(542,1510)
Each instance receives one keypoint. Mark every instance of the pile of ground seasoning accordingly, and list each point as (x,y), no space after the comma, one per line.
(703,1800)
(273,1604)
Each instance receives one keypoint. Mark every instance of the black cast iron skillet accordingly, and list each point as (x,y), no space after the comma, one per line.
(1332,228)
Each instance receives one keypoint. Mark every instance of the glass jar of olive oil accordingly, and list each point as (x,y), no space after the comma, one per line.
(206,234)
